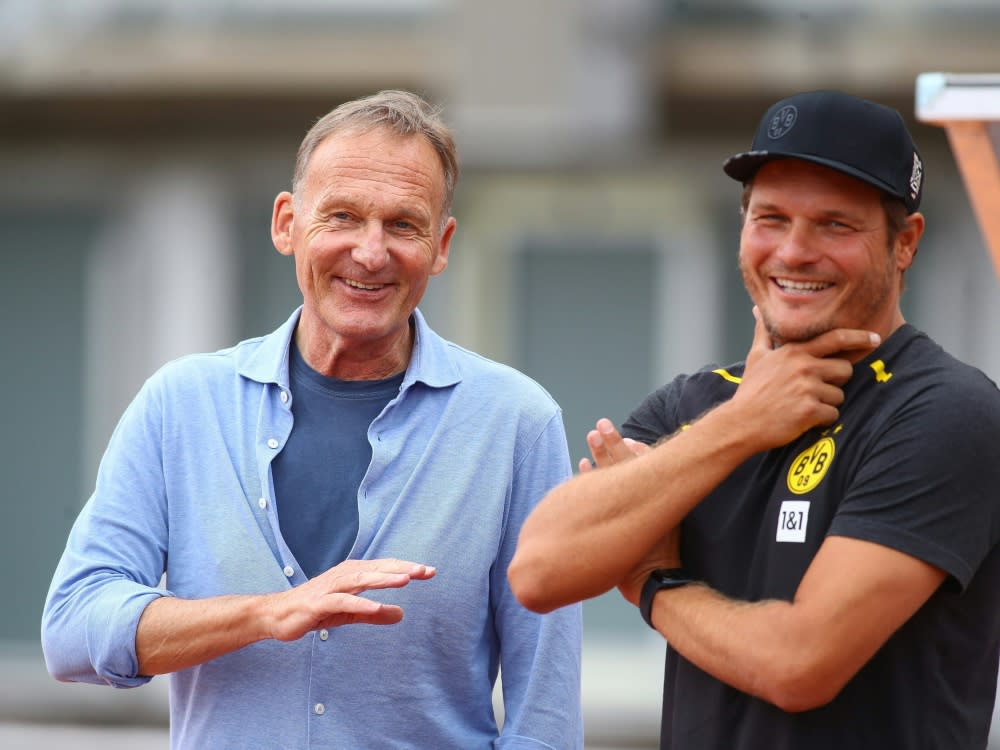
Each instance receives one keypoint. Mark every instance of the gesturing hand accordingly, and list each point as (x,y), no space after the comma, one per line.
(608,447)
(330,599)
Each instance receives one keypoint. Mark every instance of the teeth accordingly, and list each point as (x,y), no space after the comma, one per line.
(359,285)
(803,286)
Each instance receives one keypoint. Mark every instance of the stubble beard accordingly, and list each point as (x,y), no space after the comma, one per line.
(867,301)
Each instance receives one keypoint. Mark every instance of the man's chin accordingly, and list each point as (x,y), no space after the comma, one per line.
(792,334)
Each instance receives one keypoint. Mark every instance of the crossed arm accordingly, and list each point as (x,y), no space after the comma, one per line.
(639,499)
(798,654)
(605,521)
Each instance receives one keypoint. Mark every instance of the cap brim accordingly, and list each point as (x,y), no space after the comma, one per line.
(744,166)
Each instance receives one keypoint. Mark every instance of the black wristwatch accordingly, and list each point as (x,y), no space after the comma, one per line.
(659,579)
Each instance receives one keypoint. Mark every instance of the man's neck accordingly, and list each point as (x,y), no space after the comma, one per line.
(347,360)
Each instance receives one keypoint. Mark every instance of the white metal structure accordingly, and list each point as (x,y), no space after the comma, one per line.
(967,106)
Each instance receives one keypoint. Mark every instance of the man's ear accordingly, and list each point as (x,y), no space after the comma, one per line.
(281,222)
(908,240)
(444,246)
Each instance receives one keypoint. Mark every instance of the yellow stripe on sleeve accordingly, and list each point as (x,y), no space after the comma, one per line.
(726,375)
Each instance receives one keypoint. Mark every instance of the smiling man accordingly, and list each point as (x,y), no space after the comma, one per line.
(814,531)
(284,485)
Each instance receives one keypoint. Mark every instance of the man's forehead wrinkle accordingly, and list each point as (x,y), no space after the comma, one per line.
(387,176)
(832,206)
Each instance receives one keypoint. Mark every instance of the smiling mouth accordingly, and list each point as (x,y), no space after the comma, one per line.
(792,285)
(365,287)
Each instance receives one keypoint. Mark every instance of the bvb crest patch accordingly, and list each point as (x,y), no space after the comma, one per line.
(810,466)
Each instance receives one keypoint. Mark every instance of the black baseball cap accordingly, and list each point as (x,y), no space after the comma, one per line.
(855,136)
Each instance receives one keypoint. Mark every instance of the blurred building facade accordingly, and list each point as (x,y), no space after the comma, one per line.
(143,143)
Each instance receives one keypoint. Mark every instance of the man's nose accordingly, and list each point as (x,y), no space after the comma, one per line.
(371,251)
(798,245)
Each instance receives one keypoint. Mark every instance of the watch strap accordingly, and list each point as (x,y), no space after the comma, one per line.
(659,579)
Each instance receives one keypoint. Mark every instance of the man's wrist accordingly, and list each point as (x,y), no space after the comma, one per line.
(735,430)
(658,580)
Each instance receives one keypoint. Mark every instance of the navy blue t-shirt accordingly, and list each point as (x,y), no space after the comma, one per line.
(317,474)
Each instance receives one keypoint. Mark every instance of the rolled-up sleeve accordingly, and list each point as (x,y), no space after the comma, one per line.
(114,559)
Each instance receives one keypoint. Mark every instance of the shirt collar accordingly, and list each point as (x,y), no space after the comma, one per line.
(268,361)
(431,362)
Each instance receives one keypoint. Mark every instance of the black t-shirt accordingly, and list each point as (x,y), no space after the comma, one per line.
(913,464)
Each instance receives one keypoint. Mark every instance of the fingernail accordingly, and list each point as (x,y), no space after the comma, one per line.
(875,339)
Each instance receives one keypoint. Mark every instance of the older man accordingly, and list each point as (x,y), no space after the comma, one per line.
(276,482)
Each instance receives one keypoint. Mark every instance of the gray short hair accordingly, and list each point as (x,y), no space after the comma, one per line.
(400,112)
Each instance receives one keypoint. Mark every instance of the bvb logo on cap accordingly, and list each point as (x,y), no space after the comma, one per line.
(782,122)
